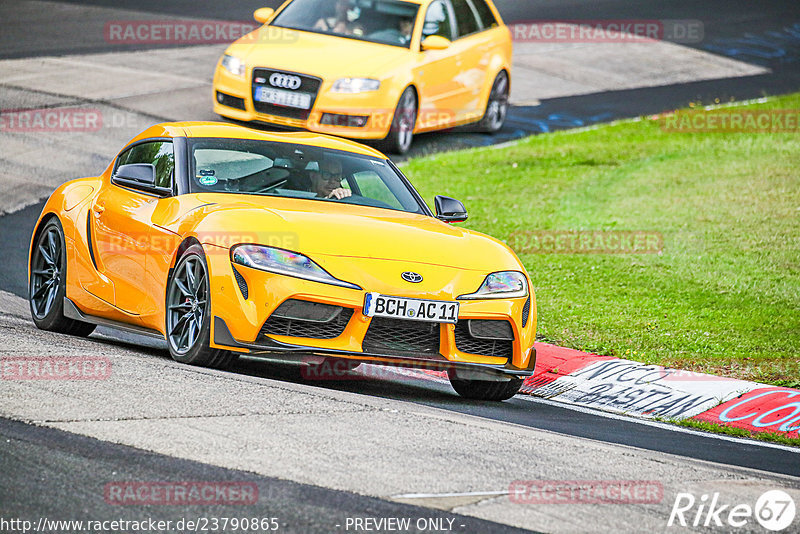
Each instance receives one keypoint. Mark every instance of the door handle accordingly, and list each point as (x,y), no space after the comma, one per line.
(98,210)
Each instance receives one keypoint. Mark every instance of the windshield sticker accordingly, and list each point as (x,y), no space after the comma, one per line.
(207,178)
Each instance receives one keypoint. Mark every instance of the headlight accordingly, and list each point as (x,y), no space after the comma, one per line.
(502,285)
(355,85)
(233,64)
(276,260)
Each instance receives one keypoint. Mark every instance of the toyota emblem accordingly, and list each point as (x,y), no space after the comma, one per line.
(414,278)
(286,81)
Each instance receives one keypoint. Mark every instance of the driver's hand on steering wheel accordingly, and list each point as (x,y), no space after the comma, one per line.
(339,193)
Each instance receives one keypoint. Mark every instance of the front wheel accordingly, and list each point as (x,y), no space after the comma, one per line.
(496,106)
(401,133)
(189,313)
(484,389)
(48,283)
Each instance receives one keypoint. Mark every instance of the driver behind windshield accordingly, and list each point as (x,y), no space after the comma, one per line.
(339,22)
(327,183)
(406,27)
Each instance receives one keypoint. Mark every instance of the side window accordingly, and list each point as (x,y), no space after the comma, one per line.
(437,21)
(157,153)
(465,18)
(485,14)
(371,186)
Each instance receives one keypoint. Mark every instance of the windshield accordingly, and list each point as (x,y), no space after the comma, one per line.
(297,171)
(380,21)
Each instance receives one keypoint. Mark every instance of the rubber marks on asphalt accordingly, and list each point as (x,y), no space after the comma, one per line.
(633,388)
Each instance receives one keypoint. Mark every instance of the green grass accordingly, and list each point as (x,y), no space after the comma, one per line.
(722,297)
(773,437)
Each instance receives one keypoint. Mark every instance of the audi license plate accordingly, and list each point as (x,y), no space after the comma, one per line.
(280,97)
(433,311)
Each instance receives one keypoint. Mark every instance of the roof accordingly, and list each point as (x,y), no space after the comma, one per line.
(235,131)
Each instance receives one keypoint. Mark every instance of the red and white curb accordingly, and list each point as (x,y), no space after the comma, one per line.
(632,388)
(650,391)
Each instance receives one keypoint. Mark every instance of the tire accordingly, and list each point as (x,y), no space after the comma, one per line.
(401,133)
(188,313)
(485,390)
(496,105)
(48,283)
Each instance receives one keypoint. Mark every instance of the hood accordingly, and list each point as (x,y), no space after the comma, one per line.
(325,56)
(343,230)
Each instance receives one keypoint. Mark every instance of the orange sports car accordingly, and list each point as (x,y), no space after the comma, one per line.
(228,241)
(370,69)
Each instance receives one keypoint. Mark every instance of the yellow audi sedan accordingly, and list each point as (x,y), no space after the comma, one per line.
(370,69)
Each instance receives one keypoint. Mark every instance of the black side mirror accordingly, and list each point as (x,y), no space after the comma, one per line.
(143,173)
(140,176)
(450,210)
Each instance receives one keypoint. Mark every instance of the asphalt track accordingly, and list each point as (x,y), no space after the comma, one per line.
(546,416)
(75,470)
(47,471)
(747,31)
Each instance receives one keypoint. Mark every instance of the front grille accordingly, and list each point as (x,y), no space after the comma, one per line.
(399,337)
(483,347)
(309,84)
(280,325)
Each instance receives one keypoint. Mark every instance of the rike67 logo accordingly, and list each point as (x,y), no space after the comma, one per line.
(774,510)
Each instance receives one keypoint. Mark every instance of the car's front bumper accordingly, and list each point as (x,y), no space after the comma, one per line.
(239,320)
(346,110)
(223,338)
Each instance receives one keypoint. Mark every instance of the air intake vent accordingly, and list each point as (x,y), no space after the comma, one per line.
(300,318)
(398,337)
(500,346)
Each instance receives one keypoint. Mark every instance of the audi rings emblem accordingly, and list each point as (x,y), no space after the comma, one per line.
(412,277)
(286,81)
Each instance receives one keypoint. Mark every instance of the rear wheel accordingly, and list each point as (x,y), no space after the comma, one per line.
(401,133)
(189,313)
(48,283)
(497,106)
(484,389)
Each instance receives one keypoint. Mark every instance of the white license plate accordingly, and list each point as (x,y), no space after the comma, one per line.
(283,98)
(433,311)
